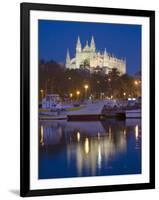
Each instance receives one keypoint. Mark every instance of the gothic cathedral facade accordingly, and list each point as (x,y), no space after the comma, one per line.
(88,58)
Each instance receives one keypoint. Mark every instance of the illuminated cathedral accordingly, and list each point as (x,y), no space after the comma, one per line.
(94,61)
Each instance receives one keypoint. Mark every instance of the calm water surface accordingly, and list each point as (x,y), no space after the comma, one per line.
(75,149)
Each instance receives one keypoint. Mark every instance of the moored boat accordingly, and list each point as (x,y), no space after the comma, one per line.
(135,113)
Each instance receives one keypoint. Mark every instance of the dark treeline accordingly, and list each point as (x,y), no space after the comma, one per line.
(54,78)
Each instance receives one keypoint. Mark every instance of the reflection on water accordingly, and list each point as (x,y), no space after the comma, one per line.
(71,149)
(136,132)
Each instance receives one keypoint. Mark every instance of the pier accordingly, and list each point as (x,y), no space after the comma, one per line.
(97,111)
(93,111)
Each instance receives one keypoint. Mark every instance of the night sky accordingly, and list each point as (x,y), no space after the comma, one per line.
(122,40)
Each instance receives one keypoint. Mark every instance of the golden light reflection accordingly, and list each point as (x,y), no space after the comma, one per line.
(90,152)
(110,132)
(86,146)
(78,136)
(99,157)
(136,132)
(124,131)
(79,159)
(42,135)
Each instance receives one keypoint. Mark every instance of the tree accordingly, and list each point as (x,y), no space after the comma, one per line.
(53,78)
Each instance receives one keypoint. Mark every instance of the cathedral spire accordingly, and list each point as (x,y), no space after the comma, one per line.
(105,52)
(78,45)
(93,47)
(105,57)
(68,60)
(86,48)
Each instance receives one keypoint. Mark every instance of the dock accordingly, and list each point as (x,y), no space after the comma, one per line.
(94,111)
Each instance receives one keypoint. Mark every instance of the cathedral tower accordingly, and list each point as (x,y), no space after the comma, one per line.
(93,46)
(78,52)
(68,60)
(105,54)
(105,58)
(78,45)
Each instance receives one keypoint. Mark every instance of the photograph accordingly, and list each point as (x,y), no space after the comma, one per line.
(89,99)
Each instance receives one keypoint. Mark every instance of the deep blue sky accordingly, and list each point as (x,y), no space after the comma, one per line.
(122,40)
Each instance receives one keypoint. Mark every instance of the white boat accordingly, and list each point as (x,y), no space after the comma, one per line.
(136,113)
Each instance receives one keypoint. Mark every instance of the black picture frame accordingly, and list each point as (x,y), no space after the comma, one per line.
(25,9)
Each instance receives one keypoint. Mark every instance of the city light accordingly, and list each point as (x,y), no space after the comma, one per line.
(71,95)
(86,87)
(124,93)
(78,92)
(42,93)
(136,82)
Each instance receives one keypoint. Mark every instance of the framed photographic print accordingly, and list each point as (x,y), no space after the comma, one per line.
(87,99)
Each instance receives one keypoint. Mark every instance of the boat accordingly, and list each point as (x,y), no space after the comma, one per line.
(135,113)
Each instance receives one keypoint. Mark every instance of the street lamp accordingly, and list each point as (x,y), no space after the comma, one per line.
(71,95)
(124,94)
(136,82)
(86,88)
(42,93)
(78,93)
